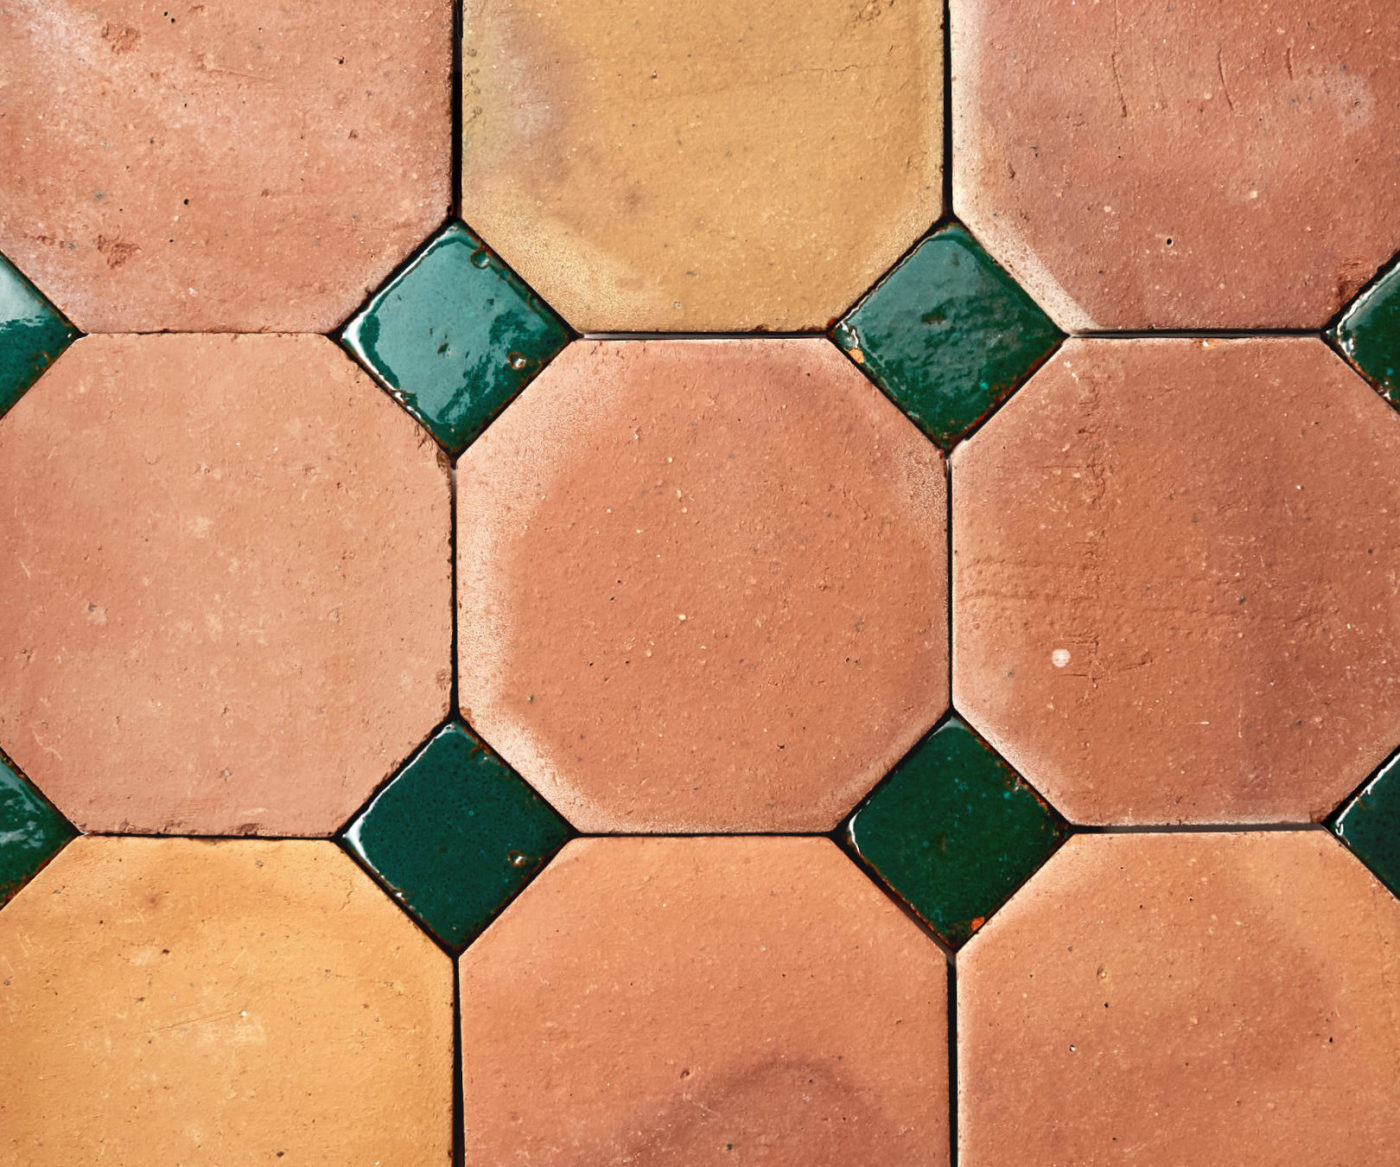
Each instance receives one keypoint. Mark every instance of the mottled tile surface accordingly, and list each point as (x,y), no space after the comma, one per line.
(1186,165)
(221,166)
(31,831)
(702,585)
(704,1001)
(172,1001)
(1368,334)
(225,605)
(1173,580)
(1190,998)
(697,168)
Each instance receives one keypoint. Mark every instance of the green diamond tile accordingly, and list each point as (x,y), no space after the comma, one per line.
(32,334)
(455,336)
(1370,824)
(31,831)
(1369,334)
(954,831)
(455,835)
(948,335)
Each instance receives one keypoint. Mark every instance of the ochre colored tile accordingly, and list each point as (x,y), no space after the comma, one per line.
(225,605)
(1173,580)
(1369,334)
(1370,824)
(1182,165)
(172,1001)
(954,831)
(712,167)
(702,585)
(704,1001)
(1187,998)
(456,834)
(455,336)
(239,167)
(32,334)
(31,831)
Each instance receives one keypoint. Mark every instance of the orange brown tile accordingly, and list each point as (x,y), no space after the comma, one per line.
(225,606)
(698,1001)
(702,585)
(174,1001)
(1187,998)
(1173,580)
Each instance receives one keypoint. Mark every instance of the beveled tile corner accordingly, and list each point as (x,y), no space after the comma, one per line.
(33,333)
(31,831)
(726,167)
(174,1001)
(1140,165)
(954,831)
(455,835)
(702,585)
(1161,999)
(714,1000)
(948,335)
(1173,566)
(1369,334)
(226,606)
(455,336)
(245,167)
(1370,824)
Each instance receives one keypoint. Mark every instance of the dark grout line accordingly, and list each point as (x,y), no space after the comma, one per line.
(459,1137)
(947,108)
(952,1062)
(948,499)
(454,692)
(1198,334)
(759,334)
(1193,828)
(456,100)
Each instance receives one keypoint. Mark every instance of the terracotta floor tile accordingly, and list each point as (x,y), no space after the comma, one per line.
(698,1001)
(1173,580)
(702,585)
(172,1001)
(246,166)
(719,167)
(1192,998)
(1183,165)
(225,606)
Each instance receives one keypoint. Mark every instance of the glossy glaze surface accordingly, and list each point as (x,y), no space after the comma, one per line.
(455,336)
(1369,334)
(32,334)
(948,334)
(455,835)
(954,831)
(31,831)
(1370,825)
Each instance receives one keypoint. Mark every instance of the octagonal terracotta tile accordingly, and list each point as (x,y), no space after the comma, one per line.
(225,605)
(238,167)
(702,585)
(704,1001)
(719,167)
(172,1001)
(1174,566)
(1187,165)
(1184,998)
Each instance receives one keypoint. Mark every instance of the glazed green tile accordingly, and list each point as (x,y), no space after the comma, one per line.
(455,336)
(1370,824)
(948,335)
(32,334)
(31,831)
(455,835)
(954,831)
(1369,334)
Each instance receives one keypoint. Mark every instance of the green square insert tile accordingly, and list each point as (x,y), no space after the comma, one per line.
(31,831)
(455,336)
(456,835)
(1369,334)
(1370,824)
(32,334)
(948,335)
(954,831)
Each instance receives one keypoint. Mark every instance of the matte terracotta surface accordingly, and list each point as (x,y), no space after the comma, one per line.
(704,1001)
(1174,568)
(247,167)
(702,585)
(708,167)
(172,1001)
(1193,164)
(1169,999)
(225,603)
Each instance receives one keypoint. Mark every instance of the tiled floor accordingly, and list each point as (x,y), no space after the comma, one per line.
(878,521)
